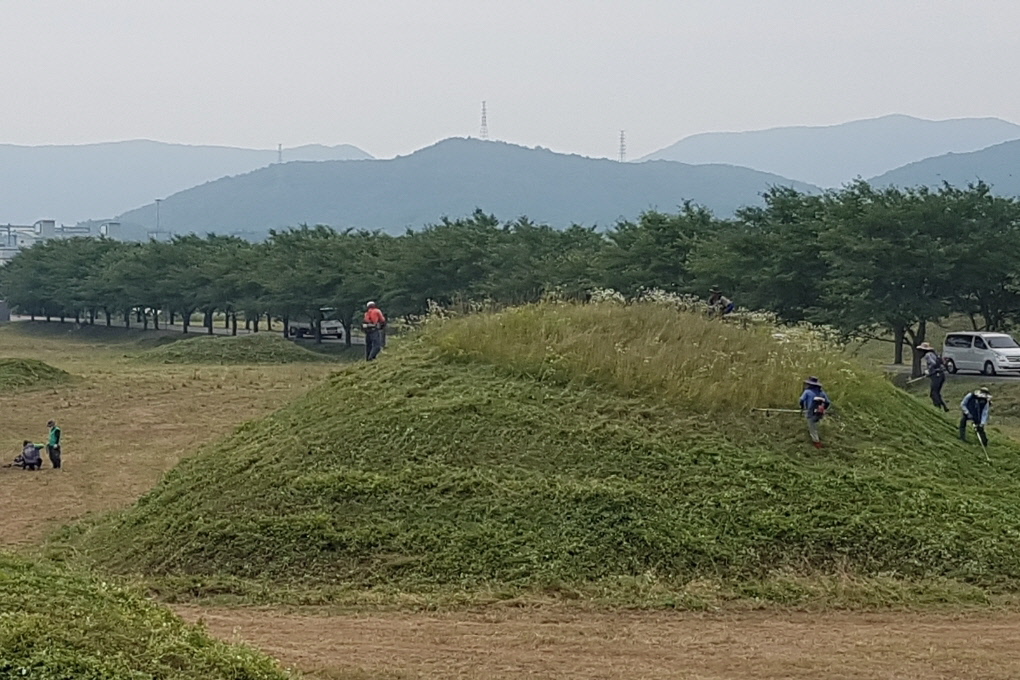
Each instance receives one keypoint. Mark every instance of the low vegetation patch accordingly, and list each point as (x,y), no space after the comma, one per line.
(27,373)
(55,624)
(263,348)
(602,449)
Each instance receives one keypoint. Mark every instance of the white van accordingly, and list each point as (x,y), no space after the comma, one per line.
(988,353)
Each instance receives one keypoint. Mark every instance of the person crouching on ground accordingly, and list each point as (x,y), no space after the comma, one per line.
(53,445)
(976,407)
(814,402)
(374,325)
(719,304)
(935,369)
(30,459)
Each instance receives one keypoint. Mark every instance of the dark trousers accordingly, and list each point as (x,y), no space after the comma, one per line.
(980,430)
(937,381)
(54,453)
(373,344)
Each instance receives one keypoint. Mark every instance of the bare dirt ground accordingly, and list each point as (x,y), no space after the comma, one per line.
(124,423)
(556,643)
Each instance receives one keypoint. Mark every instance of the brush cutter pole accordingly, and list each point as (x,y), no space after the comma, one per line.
(914,380)
(778,410)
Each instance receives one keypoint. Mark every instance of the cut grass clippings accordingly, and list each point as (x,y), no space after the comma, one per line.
(55,624)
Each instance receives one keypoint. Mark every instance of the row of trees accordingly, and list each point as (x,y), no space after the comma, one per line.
(866,261)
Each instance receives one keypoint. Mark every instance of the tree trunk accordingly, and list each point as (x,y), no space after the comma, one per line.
(247,323)
(347,324)
(916,338)
(286,327)
(173,317)
(233,324)
(208,321)
(898,332)
(127,318)
(92,317)
(226,320)
(269,321)
(318,331)
(155,319)
(77,318)
(255,323)
(145,321)
(185,321)
(109,318)
(138,316)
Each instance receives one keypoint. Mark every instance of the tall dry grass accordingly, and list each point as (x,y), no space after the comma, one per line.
(644,348)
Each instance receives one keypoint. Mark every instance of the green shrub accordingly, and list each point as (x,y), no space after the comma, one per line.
(17,373)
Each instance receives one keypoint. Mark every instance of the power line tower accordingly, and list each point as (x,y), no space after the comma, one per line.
(623,146)
(484,132)
(279,153)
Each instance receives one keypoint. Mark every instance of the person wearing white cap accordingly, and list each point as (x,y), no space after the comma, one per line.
(976,407)
(935,369)
(813,402)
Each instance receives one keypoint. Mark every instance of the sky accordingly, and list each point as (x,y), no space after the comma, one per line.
(392,76)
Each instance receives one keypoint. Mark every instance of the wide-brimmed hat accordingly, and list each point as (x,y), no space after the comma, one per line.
(714,289)
(983,392)
(813,382)
(926,346)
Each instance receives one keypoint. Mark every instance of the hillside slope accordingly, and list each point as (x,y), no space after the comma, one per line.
(581,447)
(57,624)
(832,155)
(74,183)
(997,166)
(453,178)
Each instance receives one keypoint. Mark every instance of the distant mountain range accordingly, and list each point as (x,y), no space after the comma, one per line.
(998,166)
(453,178)
(75,183)
(830,156)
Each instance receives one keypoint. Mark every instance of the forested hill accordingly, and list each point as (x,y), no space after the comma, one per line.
(73,183)
(452,179)
(998,166)
(832,155)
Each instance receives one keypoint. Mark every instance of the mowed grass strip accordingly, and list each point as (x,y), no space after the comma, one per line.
(542,449)
(263,348)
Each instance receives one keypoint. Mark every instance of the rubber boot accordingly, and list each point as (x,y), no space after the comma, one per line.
(818,445)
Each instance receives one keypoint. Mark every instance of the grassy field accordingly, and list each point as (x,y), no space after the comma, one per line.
(489,441)
(125,423)
(591,452)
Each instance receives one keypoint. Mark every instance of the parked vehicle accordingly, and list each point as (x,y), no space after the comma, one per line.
(987,353)
(331,328)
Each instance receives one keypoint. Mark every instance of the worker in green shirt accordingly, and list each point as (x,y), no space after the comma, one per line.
(53,446)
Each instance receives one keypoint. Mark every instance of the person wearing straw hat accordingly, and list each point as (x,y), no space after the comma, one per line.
(976,407)
(935,369)
(719,304)
(814,402)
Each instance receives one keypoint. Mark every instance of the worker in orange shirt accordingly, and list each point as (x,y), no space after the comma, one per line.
(374,325)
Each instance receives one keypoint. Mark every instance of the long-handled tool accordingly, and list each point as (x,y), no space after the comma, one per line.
(914,380)
(981,440)
(778,410)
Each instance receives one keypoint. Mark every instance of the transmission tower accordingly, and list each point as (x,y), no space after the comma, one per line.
(279,153)
(484,132)
(623,147)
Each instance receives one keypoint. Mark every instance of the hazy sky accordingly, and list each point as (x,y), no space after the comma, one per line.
(391,76)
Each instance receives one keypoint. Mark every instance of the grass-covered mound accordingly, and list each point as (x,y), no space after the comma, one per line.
(263,348)
(56,625)
(584,447)
(17,373)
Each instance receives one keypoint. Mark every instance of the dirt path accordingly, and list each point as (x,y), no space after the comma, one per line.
(573,645)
